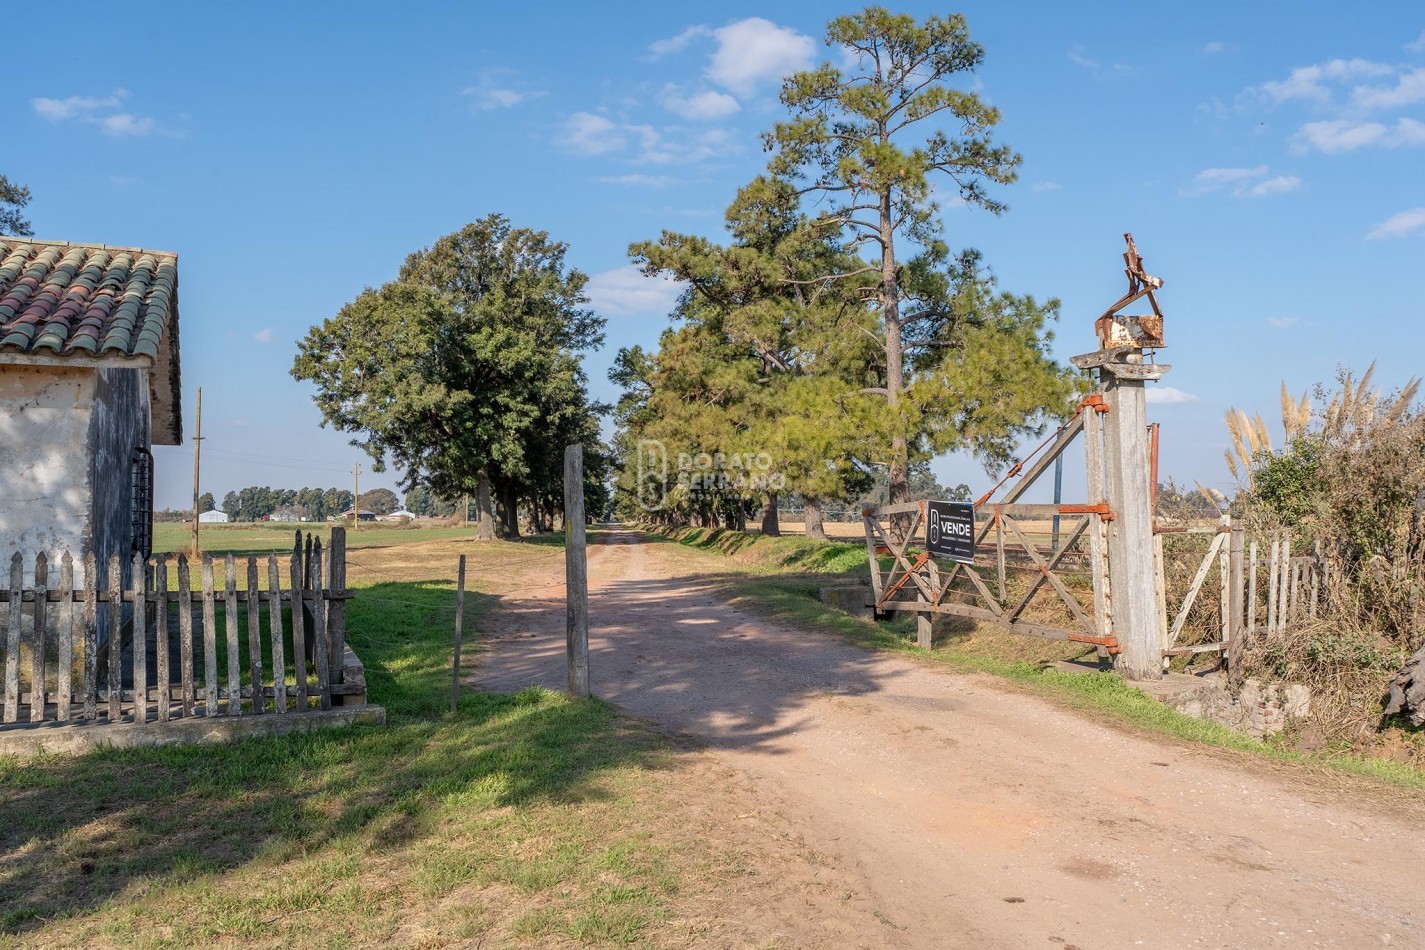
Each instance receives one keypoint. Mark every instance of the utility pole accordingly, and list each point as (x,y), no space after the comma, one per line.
(197,456)
(355,495)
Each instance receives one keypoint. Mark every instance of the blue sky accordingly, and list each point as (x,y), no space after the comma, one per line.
(1267,157)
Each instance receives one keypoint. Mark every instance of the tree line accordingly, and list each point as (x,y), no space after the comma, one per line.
(835,337)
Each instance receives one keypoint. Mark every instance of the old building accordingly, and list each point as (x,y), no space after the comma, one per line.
(88,382)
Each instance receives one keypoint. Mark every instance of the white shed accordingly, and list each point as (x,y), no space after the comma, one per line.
(213,517)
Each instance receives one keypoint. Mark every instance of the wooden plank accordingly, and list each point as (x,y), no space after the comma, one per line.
(91,638)
(999,551)
(299,626)
(1196,586)
(1283,578)
(871,528)
(1195,648)
(1236,584)
(230,632)
(210,639)
(1098,528)
(1041,465)
(1053,579)
(576,573)
(116,626)
(37,640)
(1160,583)
(162,673)
(1013,613)
(185,637)
(459,627)
(64,666)
(12,638)
(139,581)
(319,634)
(336,608)
(274,612)
(254,636)
(1272,587)
(1225,596)
(1252,589)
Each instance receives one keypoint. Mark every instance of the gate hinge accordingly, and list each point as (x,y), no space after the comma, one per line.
(1094,401)
(1103,511)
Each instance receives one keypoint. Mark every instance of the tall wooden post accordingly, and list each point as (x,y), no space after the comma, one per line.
(1127,471)
(576,574)
(1237,595)
(197,457)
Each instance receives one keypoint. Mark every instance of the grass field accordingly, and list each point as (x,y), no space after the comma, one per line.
(521,819)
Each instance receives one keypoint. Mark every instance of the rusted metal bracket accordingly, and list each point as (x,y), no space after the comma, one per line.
(1102,510)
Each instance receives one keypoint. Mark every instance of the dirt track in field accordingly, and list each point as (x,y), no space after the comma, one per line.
(929,809)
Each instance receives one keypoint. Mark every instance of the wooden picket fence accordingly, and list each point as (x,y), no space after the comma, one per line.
(72,676)
(1267,581)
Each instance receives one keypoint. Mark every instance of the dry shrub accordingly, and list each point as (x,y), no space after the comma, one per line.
(1349,484)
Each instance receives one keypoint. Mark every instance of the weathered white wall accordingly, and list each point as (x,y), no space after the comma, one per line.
(45,462)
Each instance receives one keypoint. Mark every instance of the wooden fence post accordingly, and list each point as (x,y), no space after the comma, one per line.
(299,626)
(254,635)
(576,574)
(210,639)
(116,636)
(64,670)
(279,657)
(1130,536)
(459,622)
(163,675)
(37,646)
(139,639)
(336,610)
(12,638)
(185,637)
(1237,593)
(230,634)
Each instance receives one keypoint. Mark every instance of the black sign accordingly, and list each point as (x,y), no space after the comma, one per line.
(950,530)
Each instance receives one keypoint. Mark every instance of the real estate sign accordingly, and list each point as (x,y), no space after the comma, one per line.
(950,530)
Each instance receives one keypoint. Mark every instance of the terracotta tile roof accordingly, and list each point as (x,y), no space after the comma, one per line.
(59,299)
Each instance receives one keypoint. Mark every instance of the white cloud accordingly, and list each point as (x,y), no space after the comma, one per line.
(1307,82)
(1417,45)
(590,134)
(676,44)
(1409,88)
(499,88)
(92,110)
(125,124)
(57,110)
(1167,396)
(1216,46)
(1403,224)
(641,180)
(1334,136)
(755,51)
(699,106)
(1045,186)
(264,335)
(624,291)
(1272,186)
(1214,179)
(1240,182)
(1077,57)
(1282,323)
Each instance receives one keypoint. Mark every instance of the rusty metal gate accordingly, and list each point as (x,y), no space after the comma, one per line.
(1050,575)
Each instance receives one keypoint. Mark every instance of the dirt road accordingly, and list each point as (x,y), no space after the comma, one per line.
(965,815)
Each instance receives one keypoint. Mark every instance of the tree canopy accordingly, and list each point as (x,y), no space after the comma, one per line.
(464,371)
(13,198)
(961,365)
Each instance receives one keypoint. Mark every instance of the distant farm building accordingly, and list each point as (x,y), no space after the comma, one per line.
(214,517)
(89,347)
(365,515)
(400,515)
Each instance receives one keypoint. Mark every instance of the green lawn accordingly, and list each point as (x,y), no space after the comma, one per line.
(522,818)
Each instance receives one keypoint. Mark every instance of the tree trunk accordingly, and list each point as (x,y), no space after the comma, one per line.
(770,527)
(740,514)
(898,469)
(815,530)
(484,512)
(510,513)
